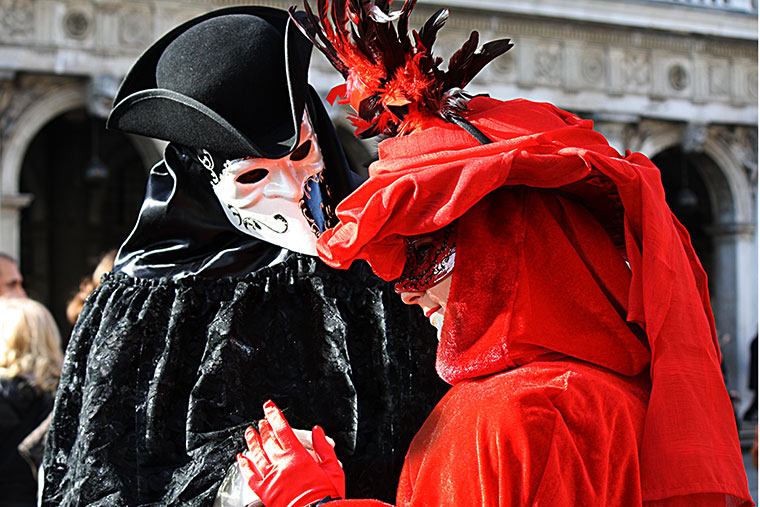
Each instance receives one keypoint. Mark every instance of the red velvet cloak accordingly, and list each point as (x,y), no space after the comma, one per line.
(516,316)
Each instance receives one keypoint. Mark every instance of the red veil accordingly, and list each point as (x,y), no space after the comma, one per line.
(658,312)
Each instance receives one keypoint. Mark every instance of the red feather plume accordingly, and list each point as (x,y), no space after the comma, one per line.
(393,81)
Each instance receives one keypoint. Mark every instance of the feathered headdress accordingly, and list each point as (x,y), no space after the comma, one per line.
(393,82)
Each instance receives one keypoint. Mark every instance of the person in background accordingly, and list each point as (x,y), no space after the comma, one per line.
(30,366)
(11,281)
(87,285)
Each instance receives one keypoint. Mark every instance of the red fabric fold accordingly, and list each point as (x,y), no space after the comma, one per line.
(536,278)
(426,180)
(547,434)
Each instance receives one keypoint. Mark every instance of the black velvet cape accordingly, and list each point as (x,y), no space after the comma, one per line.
(162,377)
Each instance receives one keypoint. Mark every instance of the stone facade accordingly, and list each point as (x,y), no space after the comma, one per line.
(654,75)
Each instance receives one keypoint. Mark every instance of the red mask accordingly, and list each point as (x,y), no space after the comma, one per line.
(429,259)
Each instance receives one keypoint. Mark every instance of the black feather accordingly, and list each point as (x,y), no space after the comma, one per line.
(432,25)
(481,58)
(323,44)
(403,25)
(461,59)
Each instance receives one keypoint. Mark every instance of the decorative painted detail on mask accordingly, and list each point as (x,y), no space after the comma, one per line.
(430,258)
(207,161)
(272,199)
(314,205)
(251,224)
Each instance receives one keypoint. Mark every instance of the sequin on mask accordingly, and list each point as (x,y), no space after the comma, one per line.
(429,259)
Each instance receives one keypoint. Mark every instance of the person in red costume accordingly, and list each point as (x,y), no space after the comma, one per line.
(573,314)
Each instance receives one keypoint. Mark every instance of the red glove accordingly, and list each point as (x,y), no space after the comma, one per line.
(282,472)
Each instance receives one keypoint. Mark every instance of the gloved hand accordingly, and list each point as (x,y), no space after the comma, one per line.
(282,472)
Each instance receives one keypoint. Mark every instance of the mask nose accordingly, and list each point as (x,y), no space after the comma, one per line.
(284,183)
(411,297)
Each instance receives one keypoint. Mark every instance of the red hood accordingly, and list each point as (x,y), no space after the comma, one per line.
(426,180)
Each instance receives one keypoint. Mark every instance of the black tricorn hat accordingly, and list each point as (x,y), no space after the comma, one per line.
(232,81)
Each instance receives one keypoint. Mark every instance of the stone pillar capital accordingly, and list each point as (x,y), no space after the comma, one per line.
(729,231)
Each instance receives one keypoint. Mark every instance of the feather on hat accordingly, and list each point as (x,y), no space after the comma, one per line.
(393,81)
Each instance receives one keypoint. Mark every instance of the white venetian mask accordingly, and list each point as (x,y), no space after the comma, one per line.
(262,197)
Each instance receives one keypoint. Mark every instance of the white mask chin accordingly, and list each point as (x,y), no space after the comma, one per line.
(437,321)
(262,197)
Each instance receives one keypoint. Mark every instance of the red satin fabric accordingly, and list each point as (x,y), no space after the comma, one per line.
(535,279)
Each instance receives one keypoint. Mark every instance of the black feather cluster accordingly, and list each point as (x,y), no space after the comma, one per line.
(393,80)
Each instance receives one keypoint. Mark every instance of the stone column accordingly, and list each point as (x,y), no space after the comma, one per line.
(734,296)
(10,218)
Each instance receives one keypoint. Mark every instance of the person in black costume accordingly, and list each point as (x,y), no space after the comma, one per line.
(217,302)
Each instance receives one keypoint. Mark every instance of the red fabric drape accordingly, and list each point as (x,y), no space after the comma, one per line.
(425,180)
(548,434)
(536,278)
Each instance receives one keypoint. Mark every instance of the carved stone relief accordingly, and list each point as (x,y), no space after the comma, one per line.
(593,67)
(751,83)
(78,22)
(135,27)
(17,95)
(502,67)
(636,71)
(17,18)
(719,78)
(742,142)
(547,64)
(694,137)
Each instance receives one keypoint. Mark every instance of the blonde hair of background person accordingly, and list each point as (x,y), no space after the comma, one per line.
(30,344)
(87,285)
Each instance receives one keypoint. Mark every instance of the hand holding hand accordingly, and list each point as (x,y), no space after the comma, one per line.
(282,472)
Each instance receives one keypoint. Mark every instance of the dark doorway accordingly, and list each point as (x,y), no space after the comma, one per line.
(686,194)
(88,185)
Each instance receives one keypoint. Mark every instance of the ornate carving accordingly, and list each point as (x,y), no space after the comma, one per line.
(752,85)
(77,23)
(594,67)
(135,26)
(742,141)
(719,78)
(547,64)
(636,70)
(17,18)
(15,97)
(694,137)
(502,67)
(678,77)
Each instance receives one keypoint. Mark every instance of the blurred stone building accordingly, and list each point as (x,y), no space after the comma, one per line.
(674,79)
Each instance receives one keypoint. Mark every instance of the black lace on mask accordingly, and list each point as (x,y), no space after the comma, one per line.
(429,259)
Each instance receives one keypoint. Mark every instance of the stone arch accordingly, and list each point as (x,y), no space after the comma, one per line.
(51,104)
(56,101)
(722,173)
(733,235)
(734,177)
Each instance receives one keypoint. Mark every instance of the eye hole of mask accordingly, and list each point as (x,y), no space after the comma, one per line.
(253,176)
(301,152)
(422,249)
